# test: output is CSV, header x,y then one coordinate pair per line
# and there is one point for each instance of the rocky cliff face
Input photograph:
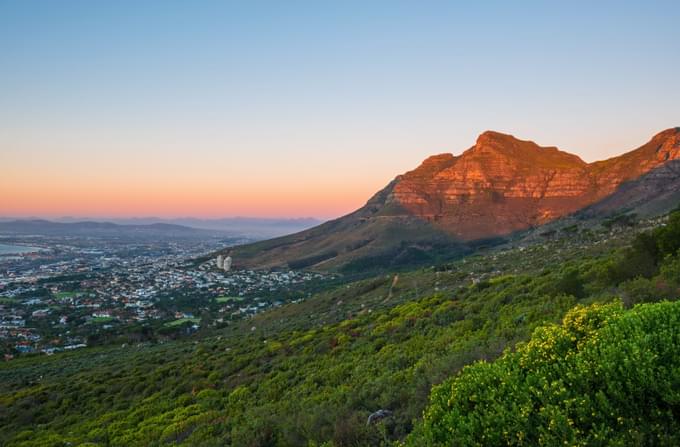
x,y
502,184
498,186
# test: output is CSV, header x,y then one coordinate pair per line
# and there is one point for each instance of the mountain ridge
x,y
499,186
503,184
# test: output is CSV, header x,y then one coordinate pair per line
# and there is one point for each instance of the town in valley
x,y
64,292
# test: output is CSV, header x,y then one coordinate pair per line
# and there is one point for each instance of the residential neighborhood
x,y
70,293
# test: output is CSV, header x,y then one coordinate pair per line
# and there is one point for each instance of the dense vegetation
x,y
311,373
605,377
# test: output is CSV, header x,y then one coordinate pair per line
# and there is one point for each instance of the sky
x,y
290,109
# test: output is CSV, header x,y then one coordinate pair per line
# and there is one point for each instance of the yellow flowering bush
x,y
604,377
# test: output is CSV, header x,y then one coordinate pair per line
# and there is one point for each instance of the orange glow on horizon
x,y
169,178
64,177
79,198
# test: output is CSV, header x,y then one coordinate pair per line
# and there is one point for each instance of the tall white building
x,y
220,262
226,263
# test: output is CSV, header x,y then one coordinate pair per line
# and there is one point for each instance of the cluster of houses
x,y
129,292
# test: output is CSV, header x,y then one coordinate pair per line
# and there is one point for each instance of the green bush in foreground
x,y
604,377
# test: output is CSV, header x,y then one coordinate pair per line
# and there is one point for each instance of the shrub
x,y
605,376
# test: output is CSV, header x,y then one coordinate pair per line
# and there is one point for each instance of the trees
x,y
668,237
647,251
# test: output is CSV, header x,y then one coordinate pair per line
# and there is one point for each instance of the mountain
x,y
651,194
253,228
499,186
103,229
503,184
381,232
248,227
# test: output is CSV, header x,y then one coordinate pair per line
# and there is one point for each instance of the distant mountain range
x,y
248,228
499,186
103,229
245,226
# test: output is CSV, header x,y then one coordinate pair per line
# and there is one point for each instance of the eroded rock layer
x,y
498,186
502,184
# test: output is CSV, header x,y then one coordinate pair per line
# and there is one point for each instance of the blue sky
x,y
307,108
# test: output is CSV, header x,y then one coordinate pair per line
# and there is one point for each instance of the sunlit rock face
x,y
502,184
498,186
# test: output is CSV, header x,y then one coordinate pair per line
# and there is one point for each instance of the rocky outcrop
x,y
653,193
503,184
499,186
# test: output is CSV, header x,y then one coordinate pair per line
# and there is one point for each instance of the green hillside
x,y
311,373
377,236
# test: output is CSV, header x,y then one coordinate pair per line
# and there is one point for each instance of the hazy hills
x,y
238,227
106,230
253,227
498,187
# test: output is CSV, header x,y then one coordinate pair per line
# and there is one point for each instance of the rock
x,y
498,186
503,184
378,416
